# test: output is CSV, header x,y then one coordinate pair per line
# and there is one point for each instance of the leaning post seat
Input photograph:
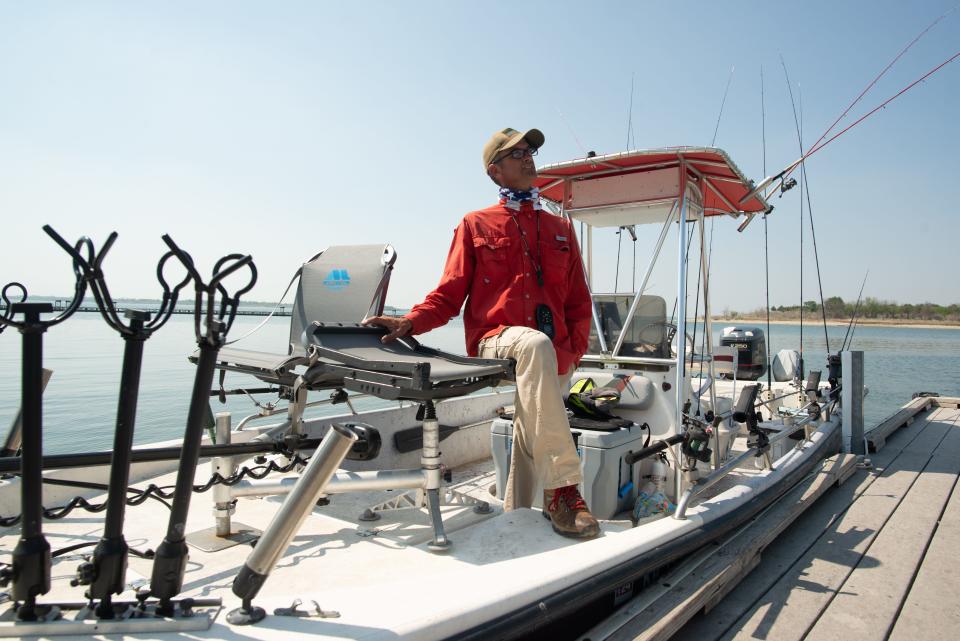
x,y
329,349
352,356
343,284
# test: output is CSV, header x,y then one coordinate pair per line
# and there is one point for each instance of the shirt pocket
x,y
556,262
493,259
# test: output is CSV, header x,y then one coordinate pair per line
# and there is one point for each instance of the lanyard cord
x,y
523,239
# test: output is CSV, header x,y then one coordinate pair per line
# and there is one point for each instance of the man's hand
x,y
397,326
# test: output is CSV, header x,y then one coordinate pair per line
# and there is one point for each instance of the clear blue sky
x,y
280,128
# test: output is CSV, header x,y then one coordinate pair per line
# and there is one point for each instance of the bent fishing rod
x,y
784,174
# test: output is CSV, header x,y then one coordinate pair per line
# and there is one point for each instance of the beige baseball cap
x,y
506,139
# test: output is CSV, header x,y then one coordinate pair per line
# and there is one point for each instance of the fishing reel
x,y
696,438
786,186
695,444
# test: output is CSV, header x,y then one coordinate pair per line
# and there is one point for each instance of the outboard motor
x,y
751,349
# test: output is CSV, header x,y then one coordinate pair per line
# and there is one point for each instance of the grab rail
x,y
705,483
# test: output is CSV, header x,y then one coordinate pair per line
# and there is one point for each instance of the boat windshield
x,y
647,335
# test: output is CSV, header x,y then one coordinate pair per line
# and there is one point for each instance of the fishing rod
x,y
783,174
709,254
881,74
856,310
766,239
803,177
805,182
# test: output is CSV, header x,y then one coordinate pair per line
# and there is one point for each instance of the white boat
x,y
402,540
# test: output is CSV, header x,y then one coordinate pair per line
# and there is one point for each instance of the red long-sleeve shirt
x,y
489,266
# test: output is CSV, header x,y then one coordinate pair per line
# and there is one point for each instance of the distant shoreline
x,y
840,322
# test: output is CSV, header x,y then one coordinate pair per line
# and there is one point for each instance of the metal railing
x,y
707,482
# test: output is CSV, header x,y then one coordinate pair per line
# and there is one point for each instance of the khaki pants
x,y
543,452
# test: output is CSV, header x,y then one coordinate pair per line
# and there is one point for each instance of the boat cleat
x,y
295,611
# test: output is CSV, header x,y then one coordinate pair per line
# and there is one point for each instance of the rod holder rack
x,y
30,570
214,312
105,573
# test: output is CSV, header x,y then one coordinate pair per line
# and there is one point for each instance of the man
x,y
519,270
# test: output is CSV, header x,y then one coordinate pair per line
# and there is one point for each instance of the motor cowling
x,y
751,346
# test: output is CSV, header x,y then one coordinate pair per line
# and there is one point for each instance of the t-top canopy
x,y
646,177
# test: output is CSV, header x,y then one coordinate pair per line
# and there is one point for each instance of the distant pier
x,y
284,310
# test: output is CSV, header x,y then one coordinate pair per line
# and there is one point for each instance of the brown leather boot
x,y
568,513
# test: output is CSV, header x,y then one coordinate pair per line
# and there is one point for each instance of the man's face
x,y
514,173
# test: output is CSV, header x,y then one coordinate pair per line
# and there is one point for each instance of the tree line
x,y
871,308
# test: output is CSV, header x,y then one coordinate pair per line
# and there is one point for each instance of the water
x,y
81,398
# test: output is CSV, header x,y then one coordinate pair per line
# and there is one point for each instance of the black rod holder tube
x,y
813,381
745,409
153,454
31,556
110,554
170,561
632,457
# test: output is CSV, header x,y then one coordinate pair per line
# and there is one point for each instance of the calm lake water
x,y
85,355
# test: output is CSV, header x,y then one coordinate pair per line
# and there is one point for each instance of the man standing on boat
x,y
519,270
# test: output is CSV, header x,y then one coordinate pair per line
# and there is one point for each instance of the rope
x,y
154,491
272,312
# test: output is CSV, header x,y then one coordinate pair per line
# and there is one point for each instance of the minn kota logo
x,y
337,279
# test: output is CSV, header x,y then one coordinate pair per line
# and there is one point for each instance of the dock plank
x,y
792,544
933,605
795,601
868,602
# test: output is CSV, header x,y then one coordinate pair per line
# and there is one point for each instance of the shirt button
x,y
527,274
529,317
526,295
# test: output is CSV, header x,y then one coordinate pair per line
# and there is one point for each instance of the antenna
x,y
630,114
572,133
722,103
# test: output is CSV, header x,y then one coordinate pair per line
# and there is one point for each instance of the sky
x,y
278,129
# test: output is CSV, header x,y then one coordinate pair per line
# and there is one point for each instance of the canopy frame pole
x,y
671,216
586,258
681,326
590,257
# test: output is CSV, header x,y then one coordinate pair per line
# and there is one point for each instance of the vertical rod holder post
x,y
31,556
111,553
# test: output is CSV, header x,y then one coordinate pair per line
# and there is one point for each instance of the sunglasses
x,y
518,154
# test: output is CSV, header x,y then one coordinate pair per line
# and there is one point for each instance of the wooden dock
x,y
870,559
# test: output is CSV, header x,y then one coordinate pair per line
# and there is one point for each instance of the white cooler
x,y
609,485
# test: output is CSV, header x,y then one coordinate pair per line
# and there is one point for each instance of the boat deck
x,y
870,560
345,564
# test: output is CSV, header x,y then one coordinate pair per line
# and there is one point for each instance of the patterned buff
x,y
512,198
